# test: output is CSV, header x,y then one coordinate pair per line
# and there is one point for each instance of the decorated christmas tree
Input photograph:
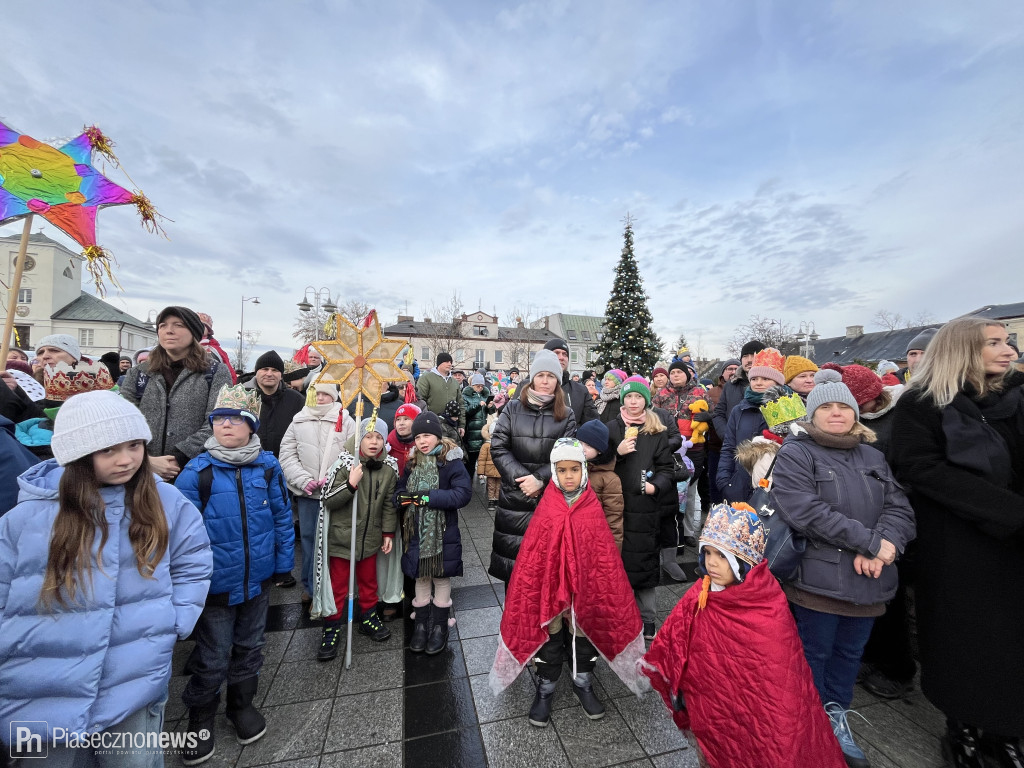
x,y
629,342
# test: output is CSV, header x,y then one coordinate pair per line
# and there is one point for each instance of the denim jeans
x,y
229,646
833,646
309,511
149,719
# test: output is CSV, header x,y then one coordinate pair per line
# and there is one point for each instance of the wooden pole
x,y
12,294
353,595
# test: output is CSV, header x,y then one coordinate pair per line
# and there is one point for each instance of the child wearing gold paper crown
x,y
728,661
240,490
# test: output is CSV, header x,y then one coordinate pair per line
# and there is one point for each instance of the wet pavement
x,y
397,708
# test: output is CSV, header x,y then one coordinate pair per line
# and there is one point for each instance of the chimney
x,y
853,331
404,319
519,322
426,320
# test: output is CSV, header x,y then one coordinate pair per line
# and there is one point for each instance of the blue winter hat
x,y
595,434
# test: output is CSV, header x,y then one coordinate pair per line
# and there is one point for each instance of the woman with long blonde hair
x,y
958,445
102,570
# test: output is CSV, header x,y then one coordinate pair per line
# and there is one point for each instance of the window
x,y
497,356
571,335
479,330
24,333
460,355
532,355
25,296
479,359
574,356
586,335
68,273
425,353
85,337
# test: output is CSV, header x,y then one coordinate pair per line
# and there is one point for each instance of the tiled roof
x,y
870,347
88,307
1000,311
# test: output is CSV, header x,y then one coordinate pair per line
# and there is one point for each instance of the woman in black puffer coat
x,y
521,443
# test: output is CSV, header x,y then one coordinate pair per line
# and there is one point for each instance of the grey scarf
x,y
244,454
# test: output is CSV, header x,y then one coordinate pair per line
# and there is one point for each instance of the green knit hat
x,y
637,384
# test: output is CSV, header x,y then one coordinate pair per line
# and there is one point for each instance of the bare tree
x,y
893,321
312,325
770,332
244,350
354,311
890,321
515,337
444,326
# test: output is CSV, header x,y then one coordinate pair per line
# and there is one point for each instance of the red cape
x,y
749,694
568,561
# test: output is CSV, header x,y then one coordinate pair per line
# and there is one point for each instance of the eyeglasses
x,y
220,419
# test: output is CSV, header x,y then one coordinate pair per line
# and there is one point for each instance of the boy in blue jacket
x,y
240,491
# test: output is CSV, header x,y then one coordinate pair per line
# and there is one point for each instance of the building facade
x,y
51,300
475,341
582,333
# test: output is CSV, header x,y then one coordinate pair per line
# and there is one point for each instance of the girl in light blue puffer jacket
x,y
103,567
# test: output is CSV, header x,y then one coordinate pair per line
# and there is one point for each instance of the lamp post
x,y
806,331
327,305
241,329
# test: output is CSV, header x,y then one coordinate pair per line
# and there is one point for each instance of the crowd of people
x,y
151,499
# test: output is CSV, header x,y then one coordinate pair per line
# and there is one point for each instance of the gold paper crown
x,y
770,358
238,398
63,381
784,410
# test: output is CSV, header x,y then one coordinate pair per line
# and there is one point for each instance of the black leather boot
x,y
1002,751
421,629
540,710
438,639
200,718
249,723
961,746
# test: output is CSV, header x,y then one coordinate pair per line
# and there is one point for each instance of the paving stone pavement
x,y
396,708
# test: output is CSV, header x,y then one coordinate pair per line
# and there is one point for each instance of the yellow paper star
x,y
360,360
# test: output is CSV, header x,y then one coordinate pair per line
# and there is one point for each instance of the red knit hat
x,y
409,410
862,382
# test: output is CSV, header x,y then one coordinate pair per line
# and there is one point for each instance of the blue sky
x,y
813,161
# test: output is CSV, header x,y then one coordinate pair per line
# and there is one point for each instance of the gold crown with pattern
x,y
770,358
238,398
736,529
63,381
783,410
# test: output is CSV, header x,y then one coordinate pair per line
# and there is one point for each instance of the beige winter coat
x,y
311,446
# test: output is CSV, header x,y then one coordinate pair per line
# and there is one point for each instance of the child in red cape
x,y
568,572
728,661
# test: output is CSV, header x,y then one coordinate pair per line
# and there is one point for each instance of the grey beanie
x,y
829,388
546,360
366,427
922,339
63,341
92,421
477,379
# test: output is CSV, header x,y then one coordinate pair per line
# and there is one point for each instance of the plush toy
x,y
699,428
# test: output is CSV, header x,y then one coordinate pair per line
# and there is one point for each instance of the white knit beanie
x,y
92,421
63,341
328,389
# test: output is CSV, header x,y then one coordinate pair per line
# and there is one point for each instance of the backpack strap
x,y
205,486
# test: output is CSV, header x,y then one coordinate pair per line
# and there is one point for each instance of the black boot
x,y
329,641
200,718
583,687
960,746
540,710
1002,751
438,639
421,628
249,723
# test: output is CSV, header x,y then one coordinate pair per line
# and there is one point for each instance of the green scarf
x,y
426,522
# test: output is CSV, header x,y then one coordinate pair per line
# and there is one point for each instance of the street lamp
x,y
806,331
327,305
241,327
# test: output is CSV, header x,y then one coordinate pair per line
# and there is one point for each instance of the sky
x,y
810,161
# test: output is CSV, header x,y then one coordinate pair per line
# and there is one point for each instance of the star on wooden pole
x,y
360,360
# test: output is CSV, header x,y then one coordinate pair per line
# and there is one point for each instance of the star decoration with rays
x,y
360,360
62,185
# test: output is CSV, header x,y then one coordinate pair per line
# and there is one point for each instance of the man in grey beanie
x,y
915,353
